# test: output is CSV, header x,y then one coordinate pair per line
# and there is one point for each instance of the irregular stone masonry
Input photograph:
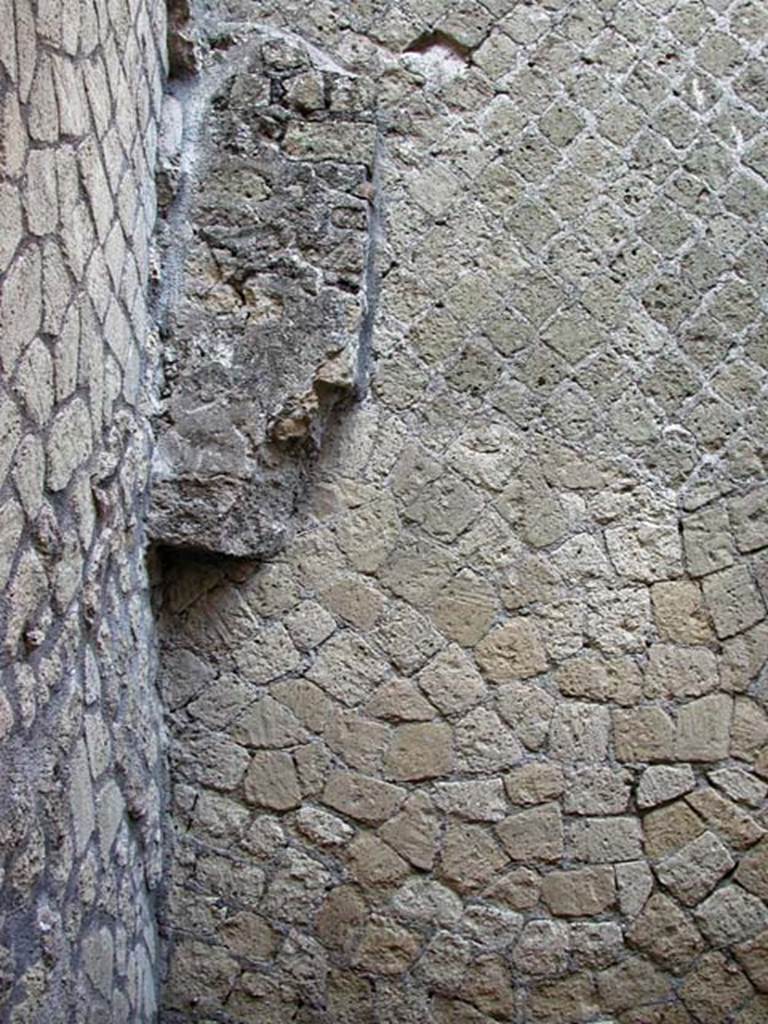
x,y
80,757
487,739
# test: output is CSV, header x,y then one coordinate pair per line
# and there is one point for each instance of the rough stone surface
x,y
452,335
81,738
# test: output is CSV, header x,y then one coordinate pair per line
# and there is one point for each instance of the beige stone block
x,y
740,785
535,783
266,723
670,827
14,139
579,892
201,976
596,790
643,734
647,551
400,701
573,998
309,625
81,804
41,200
662,783
34,382
349,143
591,677
732,822
355,601
664,933
579,732
372,862
596,944
635,883
510,652
414,831
341,918
323,828
99,960
743,657
110,814
444,964
693,870
68,83
367,535
427,903
10,432
358,740
714,989
347,668
271,781
733,601
533,835
362,797
517,889
465,608
451,681
248,935
749,518
703,729
542,949
43,119
618,621
480,800
607,840
69,443
632,983
484,744
731,915
749,731
708,542
679,672
679,612
419,751
527,709
471,857
387,948
307,702
407,638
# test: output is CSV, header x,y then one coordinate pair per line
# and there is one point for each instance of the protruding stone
x,y
533,835
663,932
271,781
691,872
362,797
513,651
580,892
663,783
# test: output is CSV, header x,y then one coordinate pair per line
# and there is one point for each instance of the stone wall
x,y
487,740
80,94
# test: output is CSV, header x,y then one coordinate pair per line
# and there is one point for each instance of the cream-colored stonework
x,y
468,300
487,740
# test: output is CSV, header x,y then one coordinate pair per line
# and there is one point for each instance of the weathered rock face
x,y
80,719
267,172
487,738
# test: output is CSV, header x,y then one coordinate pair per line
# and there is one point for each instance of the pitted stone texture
x,y
265,297
80,750
523,622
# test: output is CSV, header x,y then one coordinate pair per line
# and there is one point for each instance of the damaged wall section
x,y
267,184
